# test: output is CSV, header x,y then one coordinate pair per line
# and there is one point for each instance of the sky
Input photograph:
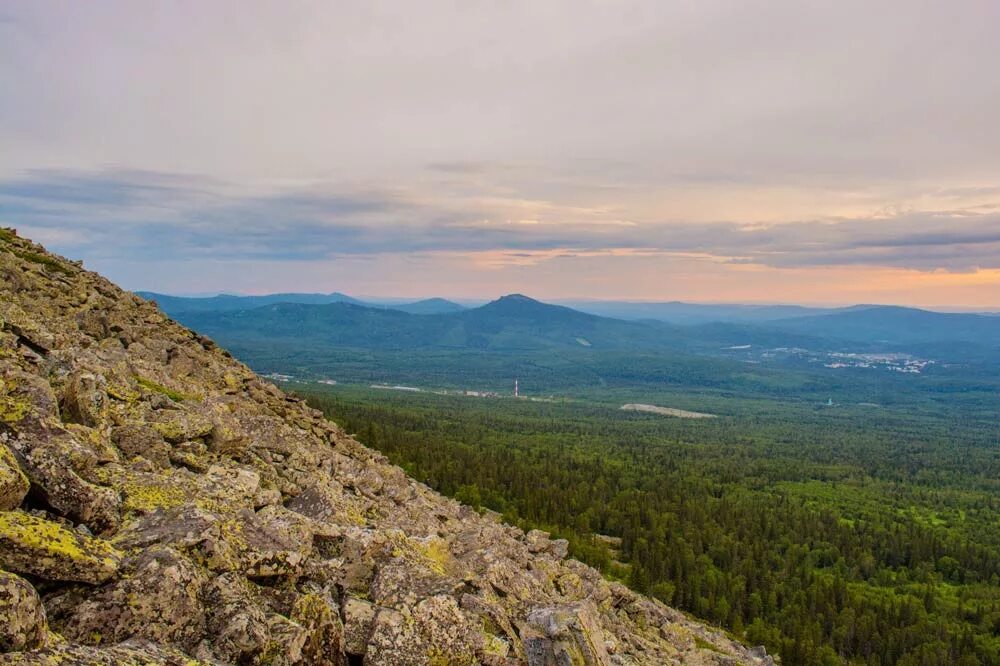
x,y
715,151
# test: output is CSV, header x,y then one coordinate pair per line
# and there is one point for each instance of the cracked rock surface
x,y
161,504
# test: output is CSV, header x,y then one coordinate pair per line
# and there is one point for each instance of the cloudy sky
x,y
780,151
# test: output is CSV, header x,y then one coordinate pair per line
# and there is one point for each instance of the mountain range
x,y
232,302
519,322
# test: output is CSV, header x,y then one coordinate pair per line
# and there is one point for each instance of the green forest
x,y
830,535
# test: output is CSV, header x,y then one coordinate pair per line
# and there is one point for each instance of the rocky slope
x,y
161,504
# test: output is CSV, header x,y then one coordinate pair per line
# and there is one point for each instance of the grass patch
x,y
702,644
44,260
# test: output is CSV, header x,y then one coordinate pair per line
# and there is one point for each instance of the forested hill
x,y
510,323
897,325
518,322
231,303
173,305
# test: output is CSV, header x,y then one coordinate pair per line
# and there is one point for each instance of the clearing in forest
x,y
667,411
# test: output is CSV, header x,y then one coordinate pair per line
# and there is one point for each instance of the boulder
x,y
288,640
359,618
139,439
54,461
273,542
158,597
435,631
235,619
129,653
46,549
13,482
175,425
568,634
22,616
84,399
539,542
324,644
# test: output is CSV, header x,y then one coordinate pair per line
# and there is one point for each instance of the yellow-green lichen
x,y
432,552
122,392
10,471
170,430
216,505
13,408
145,497
355,515
435,554
438,657
311,609
33,534
495,646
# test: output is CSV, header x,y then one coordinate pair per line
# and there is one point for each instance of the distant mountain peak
x,y
515,298
520,303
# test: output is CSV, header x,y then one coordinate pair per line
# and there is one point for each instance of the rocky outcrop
x,y
161,504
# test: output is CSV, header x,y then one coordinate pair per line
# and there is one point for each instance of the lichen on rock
x,y
49,550
23,624
13,482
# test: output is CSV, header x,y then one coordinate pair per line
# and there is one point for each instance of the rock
x,y
538,542
184,527
54,460
434,631
129,653
565,635
97,440
236,621
45,549
288,639
25,396
139,439
22,617
94,323
359,618
403,581
235,618
13,482
177,426
324,645
270,543
157,598
227,434
84,399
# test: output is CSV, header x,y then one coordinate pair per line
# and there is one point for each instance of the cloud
x,y
156,216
